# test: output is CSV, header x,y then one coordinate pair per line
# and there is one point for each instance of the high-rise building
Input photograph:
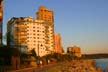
x,y
47,15
36,36
57,44
74,50
1,18
26,33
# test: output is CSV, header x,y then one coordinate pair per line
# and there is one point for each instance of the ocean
x,y
103,63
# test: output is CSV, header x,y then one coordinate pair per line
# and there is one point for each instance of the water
x,y
103,63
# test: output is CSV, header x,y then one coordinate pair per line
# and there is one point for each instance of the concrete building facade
x,y
36,36
26,33
57,44
47,15
74,50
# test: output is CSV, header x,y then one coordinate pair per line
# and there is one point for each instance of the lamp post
x,y
38,60
38,50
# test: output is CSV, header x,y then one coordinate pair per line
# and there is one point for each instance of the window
x,y
37,34
37,37
34,41
34,34
34,37
27,33
37,30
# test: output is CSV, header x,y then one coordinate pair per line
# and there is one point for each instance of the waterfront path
x,y
85,65
38,69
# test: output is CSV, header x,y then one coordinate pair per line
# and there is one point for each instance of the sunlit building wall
x,y
47,15
74,50
36,37
26,34
1,18
57,44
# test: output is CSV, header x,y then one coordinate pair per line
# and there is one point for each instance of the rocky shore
x,y
84,65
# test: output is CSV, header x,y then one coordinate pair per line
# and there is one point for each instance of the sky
x,y
80,22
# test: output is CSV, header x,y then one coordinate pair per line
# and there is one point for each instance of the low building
x,y
74,50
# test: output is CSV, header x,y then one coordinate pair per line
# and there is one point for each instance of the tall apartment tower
x,y
47,15
36,36
26,33
57,44
1,18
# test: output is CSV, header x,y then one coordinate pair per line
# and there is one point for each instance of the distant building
x,y
75,50
57,44
47,15
1,18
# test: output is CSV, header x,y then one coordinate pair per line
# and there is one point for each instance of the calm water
x,y
103,63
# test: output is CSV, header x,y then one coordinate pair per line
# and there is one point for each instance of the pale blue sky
x,y
80,22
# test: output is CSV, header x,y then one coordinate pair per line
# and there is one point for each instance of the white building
x,y
27,33
31,33
36,36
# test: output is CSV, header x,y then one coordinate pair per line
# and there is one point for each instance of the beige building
x,y
57,44
75,50
36,36
27,33
47,15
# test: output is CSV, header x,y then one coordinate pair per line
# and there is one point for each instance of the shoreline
x,y
81,65
103,63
